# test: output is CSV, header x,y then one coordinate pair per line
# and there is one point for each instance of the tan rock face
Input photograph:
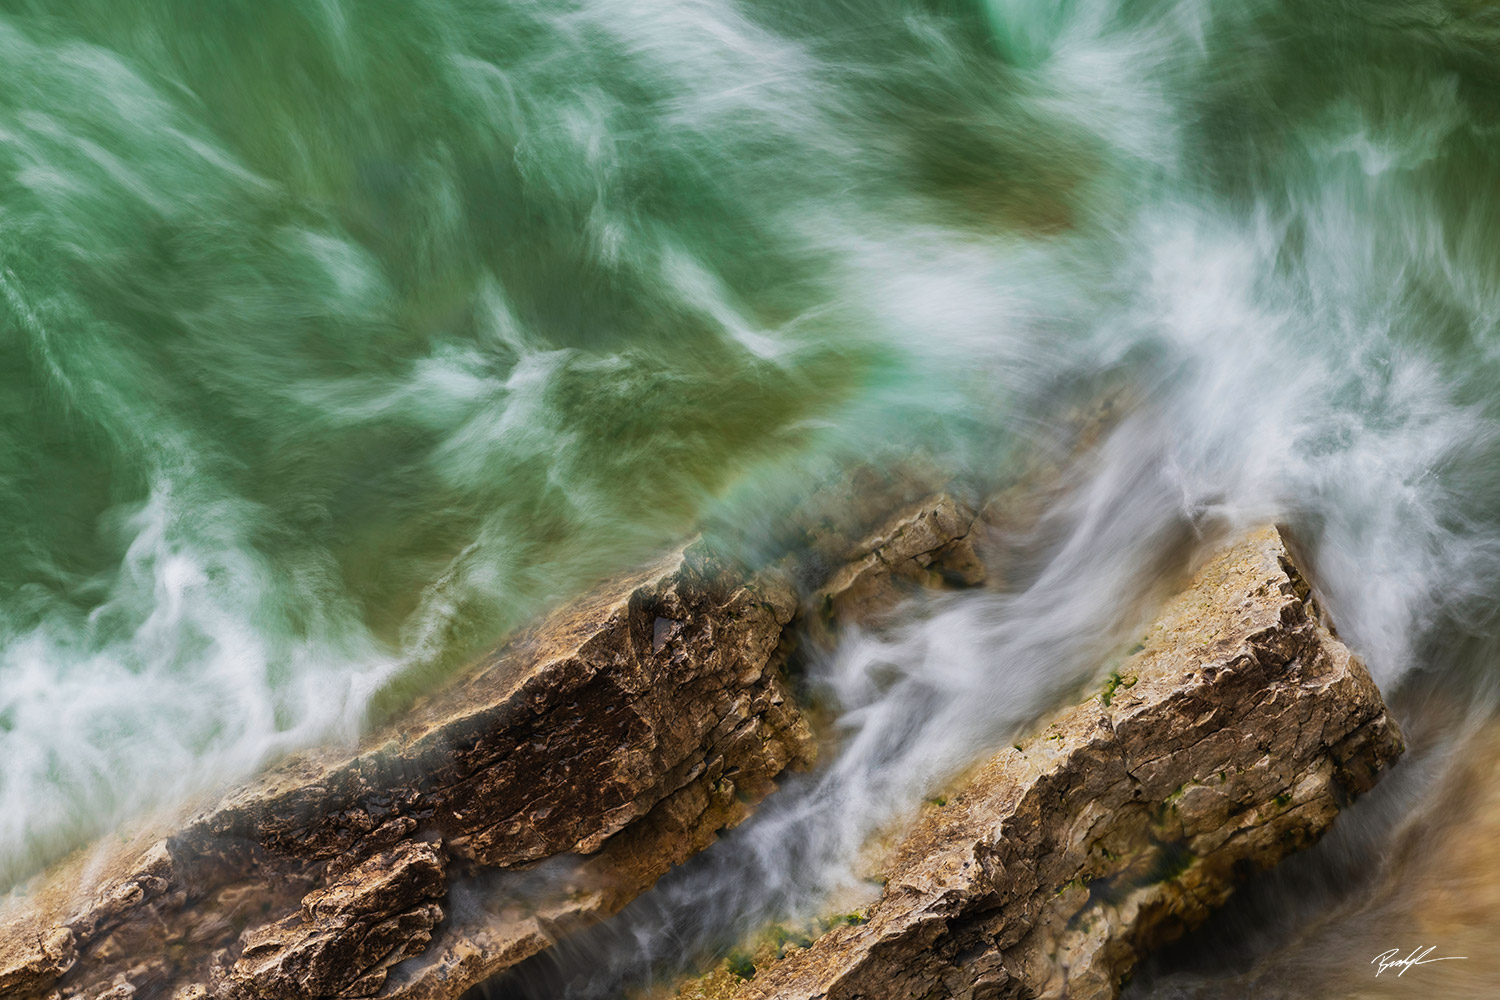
x,y
611,741
1431,882
349,932
928,544
1231,737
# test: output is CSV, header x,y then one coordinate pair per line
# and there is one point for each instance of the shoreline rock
x,y
613,740
928,544
1229,738
581,760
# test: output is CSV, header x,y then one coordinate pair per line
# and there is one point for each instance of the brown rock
x,y
348,932
606,744
1231,737
1429,887
31,959
928,544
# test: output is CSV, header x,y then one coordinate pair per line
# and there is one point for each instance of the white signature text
x,y
1391,960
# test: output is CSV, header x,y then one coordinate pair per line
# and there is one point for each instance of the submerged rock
x,y
1229,738
556,782
929,544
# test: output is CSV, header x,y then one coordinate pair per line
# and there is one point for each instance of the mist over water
x,y
337,338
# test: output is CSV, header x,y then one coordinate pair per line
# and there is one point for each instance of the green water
x,y
337,338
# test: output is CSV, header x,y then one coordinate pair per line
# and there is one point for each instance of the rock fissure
x,y
601,747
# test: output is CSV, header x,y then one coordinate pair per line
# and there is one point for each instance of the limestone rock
x,y
1231,737
555,782
927,544
348,932
1426,882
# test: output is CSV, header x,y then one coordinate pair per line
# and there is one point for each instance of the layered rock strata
x,y
614,739
928,544
558,780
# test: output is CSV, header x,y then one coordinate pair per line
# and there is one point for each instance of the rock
x,y
348,933
1229,738
927,544
551,785
31,960
1425,877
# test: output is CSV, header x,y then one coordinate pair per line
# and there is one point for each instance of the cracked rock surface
x,y
1229,738
555,782
927,544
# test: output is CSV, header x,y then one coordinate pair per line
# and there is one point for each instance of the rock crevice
x,y
615,738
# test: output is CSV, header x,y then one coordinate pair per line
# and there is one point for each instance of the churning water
x,y
337,337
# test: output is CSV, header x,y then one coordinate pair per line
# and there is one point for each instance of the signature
x,y
1418,956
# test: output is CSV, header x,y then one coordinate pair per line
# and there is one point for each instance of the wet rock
x,y
1230,738
928,544
555,782
348,933
1427,888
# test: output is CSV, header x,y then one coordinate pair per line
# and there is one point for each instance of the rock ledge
x,y
562,777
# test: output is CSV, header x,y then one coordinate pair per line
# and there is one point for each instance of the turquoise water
x,y
336,338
